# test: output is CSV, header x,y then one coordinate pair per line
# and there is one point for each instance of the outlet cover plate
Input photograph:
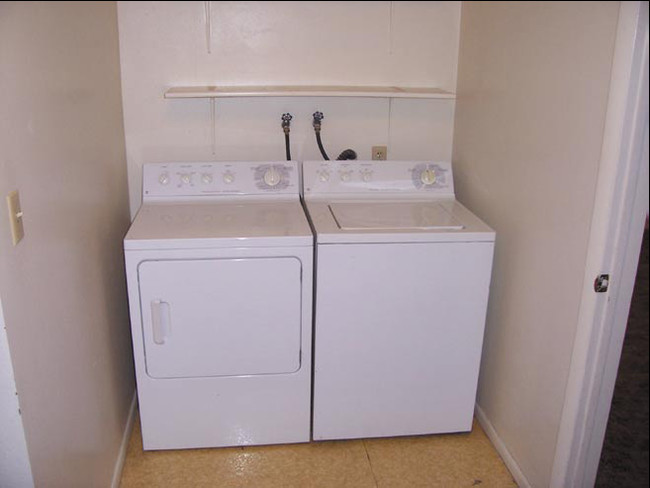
x,y
379,153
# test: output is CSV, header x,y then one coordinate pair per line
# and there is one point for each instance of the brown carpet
x,y
624,460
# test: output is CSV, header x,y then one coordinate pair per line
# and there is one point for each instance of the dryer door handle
x,y
160,321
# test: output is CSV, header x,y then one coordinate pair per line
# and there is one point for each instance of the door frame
x,y
614,244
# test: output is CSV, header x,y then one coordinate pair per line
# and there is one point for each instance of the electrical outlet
x,y
379,153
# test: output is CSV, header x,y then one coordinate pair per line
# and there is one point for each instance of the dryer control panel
x,y
404,178
221,178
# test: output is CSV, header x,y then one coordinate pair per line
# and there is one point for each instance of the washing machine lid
x,y
394,216
192,225
367,221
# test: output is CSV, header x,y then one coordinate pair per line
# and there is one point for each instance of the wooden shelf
x,y
306,91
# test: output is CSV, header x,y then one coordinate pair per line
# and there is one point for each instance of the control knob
x,y
272,177
345,175
163,179
428,176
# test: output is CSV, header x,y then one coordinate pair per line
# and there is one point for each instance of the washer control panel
x,y
160,180
363,177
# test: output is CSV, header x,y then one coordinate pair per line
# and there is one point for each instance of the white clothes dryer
x,y
402,279
219,267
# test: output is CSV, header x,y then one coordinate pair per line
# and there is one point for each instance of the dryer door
x,y
221,317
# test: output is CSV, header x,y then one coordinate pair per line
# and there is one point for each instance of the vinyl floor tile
x,y
452,460
458,460
313,465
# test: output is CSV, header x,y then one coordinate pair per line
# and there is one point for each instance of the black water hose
x,y
320,146
287,145
318,117
347,154
286,127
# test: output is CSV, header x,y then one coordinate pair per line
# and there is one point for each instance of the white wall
x,y
533,82
163,44
62,287
15,470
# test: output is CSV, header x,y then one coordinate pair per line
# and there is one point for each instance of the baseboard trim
x,y
501,448
126,437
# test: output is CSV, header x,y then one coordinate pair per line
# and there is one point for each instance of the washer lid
x,y
395,221
397,215
194,225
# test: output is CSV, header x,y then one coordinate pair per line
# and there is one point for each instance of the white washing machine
x,y
219,266
402,279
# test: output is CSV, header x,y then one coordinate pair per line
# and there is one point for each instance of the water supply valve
x,y
286,122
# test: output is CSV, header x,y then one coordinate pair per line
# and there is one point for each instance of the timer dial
x,y
272,177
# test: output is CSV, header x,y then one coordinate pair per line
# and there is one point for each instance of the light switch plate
x,y
15,217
